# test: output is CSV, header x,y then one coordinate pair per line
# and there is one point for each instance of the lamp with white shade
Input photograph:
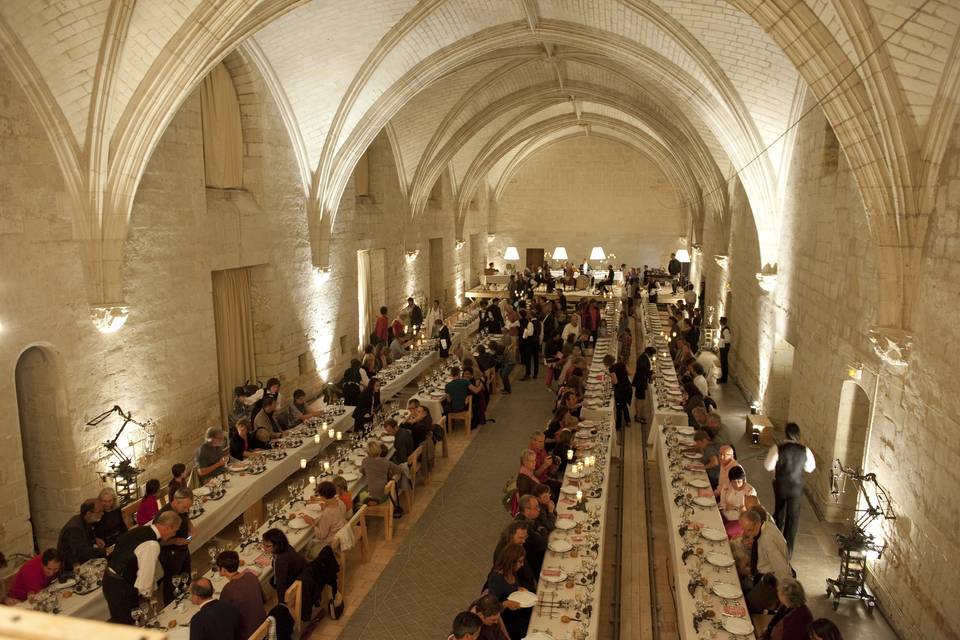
x,y
683,255
511,254
597,254
560,253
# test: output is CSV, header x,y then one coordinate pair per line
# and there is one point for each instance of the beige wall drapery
x,y
233,320
222,131
364,296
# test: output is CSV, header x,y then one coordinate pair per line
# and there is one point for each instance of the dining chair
x,y
413,463
385,510
466,416
262,632
293,598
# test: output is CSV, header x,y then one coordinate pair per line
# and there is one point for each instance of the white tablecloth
x,y
672,472
395,386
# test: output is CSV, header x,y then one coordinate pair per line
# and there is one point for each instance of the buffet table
x,y
706,591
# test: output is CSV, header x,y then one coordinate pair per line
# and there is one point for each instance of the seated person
x,y
418,421
211,457
527,480
111,524
488,609
733,500
402,441
244,444
298,411
378,470
485,361
536,544
179,479
562,446
728,461
34,576
243,591
547,520
768,560
288,563
77,542
332,516
458,390
517,532
709,456
397,350
150,504
343,492
265,423
792,619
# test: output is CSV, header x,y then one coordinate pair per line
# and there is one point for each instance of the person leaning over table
x,y
211,457
489,608
77,542
709,456
299,412
111,524
768,560
34,576
466,626
793,617
402,441
506,577
175,552
368,405
378,470
131,569
288,563
332,517
215,619
244,444
265,424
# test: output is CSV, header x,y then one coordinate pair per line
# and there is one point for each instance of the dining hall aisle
x,y
442,563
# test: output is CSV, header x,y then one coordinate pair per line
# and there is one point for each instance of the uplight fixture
x,y
412,254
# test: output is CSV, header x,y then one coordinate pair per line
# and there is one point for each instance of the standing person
x,y
673,268
131,569
530,346
690,297
433,314
214,619
621,389
789,460
175,550
444,342
382,327
507,362
416,316
724,344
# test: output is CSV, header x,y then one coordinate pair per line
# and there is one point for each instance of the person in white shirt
x,y
572,327
768,565
690,297
711,364
789,461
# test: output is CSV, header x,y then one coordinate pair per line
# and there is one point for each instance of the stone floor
x,y
815,555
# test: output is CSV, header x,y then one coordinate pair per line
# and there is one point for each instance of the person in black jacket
x,y
77,542
367,405
416,316
444,341
288,564
642,374
215,620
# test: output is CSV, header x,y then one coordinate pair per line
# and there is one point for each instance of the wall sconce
x,y
611,256
412,255
321,274
723,261
855,372
109,318
755,407
491,237
460,244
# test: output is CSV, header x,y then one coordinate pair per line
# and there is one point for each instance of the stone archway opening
x,y
853,424
777,401
41,406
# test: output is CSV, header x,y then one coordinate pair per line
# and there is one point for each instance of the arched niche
x,y
853,424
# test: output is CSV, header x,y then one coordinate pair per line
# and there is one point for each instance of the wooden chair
x,y
262,631
443,444
413,462
359,526
129,512
466,416
385,510
293,598
490,377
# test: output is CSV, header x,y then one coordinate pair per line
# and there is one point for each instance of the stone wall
x,y
162,363
588,191
824,305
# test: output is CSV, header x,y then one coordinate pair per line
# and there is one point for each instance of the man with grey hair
x,y
175,552
212,456
793,617
216,620
536,544
111,525
768,560
130,573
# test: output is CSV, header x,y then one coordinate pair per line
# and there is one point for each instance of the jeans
x,y
505,376
786,513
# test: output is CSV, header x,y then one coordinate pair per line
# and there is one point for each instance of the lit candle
x,y
316,438
579,495
331,433
303,463
339,435
569,454
326,466
313,479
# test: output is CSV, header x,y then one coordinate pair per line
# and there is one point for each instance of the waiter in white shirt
x,y
789,461
724,343
131,570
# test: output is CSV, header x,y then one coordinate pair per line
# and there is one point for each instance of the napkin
x,y
566,516
550,572
706,493
568,501
737,610
263,561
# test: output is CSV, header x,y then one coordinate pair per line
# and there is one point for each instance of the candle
x,y
339,435
313,479
579,495
326,466
569,454
316,438
303,463
331,433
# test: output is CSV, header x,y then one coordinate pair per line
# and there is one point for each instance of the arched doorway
x,y
777,401
853,422
42,408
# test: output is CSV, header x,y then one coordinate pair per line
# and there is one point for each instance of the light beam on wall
x,y
109,319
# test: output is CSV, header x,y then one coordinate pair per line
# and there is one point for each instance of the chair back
x,y
390,489
293,598
413,461
262,632
129,511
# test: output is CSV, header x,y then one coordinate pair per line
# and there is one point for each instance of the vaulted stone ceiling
x,y
473,87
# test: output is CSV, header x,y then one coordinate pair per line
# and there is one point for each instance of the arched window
x,y
222,132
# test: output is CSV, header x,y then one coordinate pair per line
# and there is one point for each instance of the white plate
x,y
201,491
570,473
388,439
350,476
719,559
686,431
731,514
557,578
703,501
717,535
298,523
726,590
560,546
569,489
239,466
566,524
691,455
539,635
60,586
699,483
525,599
737,626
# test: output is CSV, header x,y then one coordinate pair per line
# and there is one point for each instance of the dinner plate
x,y
388,439
559,545
731,514
699,483
525,599
717,535
719,559
298,523
726,590
687,431
539,635
737,626
566,523
560,577
691,455
66,584
704,501
239,466
201,491
570,489
350,476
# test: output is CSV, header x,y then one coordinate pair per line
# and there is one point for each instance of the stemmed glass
x,y
213,552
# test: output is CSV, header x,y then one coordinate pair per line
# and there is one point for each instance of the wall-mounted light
x,y
109,318
855,372
697,249
491,237
683,255
321,274
460,244
722,260
412,254
511,254
611,256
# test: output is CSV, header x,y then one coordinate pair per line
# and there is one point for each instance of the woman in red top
x,y
383,323
34,576
150,505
